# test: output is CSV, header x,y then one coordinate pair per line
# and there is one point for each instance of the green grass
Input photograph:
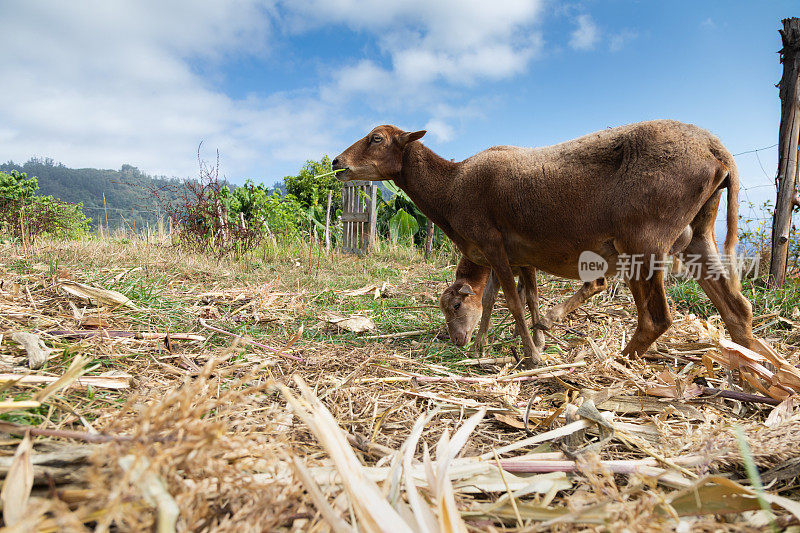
x,y
688,296
166,285
21,266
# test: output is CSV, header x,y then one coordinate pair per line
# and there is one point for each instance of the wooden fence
x,y
359,216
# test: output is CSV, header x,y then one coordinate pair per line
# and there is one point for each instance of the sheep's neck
x,y
476,275
426,178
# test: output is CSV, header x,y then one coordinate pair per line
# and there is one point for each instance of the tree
x,y
311,188
16,186
23,214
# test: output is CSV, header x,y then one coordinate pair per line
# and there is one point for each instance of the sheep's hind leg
x,y
653,310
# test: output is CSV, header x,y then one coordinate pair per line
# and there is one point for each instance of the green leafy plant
x,y
401,221
261,209
402,227
311,185
25,215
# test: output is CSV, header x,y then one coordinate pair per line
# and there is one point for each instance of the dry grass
x,y
204,437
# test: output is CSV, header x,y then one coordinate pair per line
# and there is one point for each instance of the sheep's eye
x,y
456,305
376,139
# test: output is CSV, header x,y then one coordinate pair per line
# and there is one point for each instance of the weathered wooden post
x,y
789,91
428,239
328,222
372,230
359,216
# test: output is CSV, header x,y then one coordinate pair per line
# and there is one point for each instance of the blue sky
x,y
271,83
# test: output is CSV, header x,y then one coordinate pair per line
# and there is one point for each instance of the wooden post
x,y
359,217
428,238
221,221
345,244
789,91
372,233
328,222
105,209
22,233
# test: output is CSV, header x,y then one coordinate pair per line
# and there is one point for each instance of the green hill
x,y
131,196
128,192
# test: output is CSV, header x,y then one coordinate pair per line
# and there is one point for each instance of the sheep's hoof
x,y
531,357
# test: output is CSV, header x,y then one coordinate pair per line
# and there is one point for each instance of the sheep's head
x,y
378,156
462,310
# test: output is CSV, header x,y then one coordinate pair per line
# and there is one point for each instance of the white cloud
x,y
427,52
617,41
586,35
440,129
708,23
100,83
455,41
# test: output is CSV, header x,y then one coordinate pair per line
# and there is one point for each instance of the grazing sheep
x,y
472,296
463,308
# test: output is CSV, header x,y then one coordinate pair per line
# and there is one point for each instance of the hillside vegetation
x,y
127,190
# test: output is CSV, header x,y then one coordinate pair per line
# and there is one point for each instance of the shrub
x,y
23,215
312,183
206,215
263,210
755,239
213,217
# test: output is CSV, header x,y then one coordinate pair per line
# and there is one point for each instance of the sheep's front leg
x,y
502,269
488,299
557,313
527,281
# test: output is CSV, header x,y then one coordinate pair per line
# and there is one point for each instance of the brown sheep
x,y
472,295
641,190
463,308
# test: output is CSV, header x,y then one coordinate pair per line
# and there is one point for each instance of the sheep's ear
x,y
409,136
466,289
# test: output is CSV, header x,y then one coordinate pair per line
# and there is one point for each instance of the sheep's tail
x,y
732,216
732,237
731,182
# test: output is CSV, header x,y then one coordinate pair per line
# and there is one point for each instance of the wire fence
x,y
755,228
757,213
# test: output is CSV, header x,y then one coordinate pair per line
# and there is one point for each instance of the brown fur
x,y
462,310
472,296
627,190
462,313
